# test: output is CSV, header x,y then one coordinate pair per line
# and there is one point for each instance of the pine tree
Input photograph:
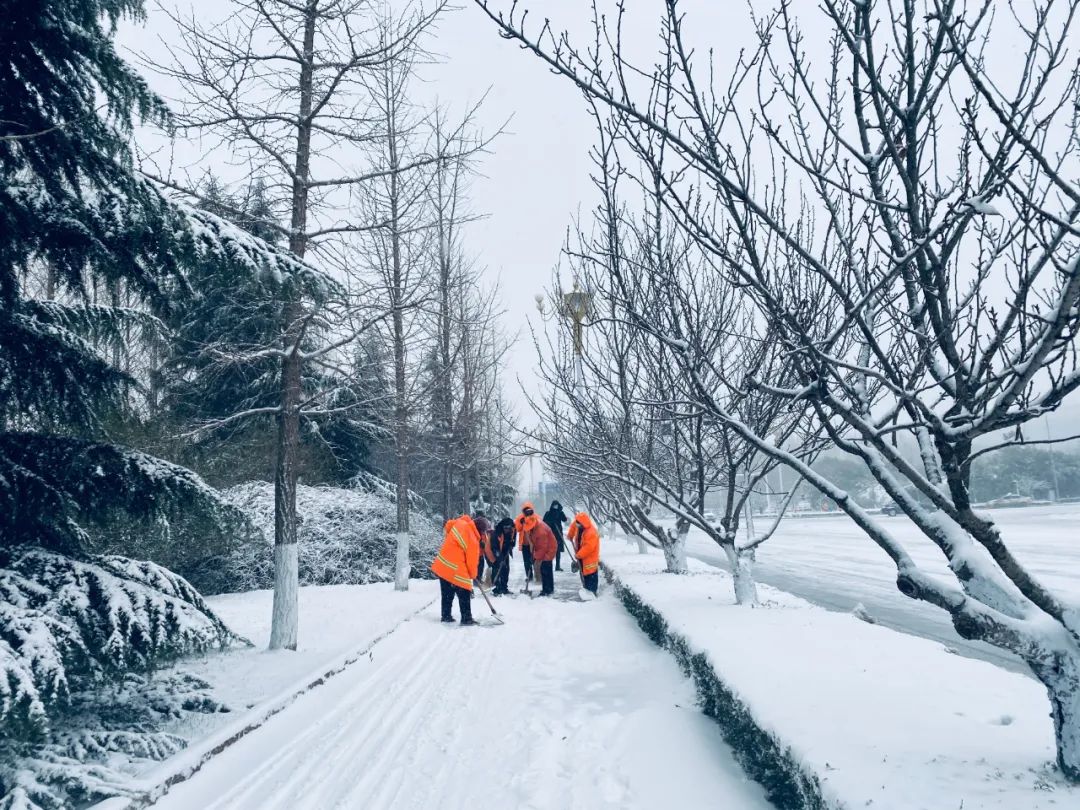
x,y
73,206
209,371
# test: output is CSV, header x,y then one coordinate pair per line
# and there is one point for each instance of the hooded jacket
x,y
525,523
502,538
555,517
586,539
459,557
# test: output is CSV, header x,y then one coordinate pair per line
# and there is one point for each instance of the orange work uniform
x,y
459,558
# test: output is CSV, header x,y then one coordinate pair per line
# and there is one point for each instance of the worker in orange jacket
x,y
525,521
586,539
544,544
456,566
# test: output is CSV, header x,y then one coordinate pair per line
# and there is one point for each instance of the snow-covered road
x,y
566,706
830,562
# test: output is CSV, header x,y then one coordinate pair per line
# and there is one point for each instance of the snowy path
x,y
567,706
830,562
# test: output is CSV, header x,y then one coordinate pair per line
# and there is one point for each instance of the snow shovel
x,y
494,613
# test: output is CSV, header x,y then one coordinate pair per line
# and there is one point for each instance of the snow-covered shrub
x,y
78,641
347,536
771,764
192,545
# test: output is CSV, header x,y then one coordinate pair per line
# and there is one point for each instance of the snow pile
x,y
346,536
830,711
78,639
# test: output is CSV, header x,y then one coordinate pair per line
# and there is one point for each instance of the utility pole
x,y
1053,464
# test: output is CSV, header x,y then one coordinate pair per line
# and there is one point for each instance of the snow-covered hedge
x,y
765,758
347,536
830,712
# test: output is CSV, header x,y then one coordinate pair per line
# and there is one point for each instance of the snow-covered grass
x,y
854,714
346,536
337,624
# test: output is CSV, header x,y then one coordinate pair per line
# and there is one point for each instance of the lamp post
x,y
576,306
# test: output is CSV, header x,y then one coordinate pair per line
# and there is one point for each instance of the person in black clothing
x,y
502,547
554,517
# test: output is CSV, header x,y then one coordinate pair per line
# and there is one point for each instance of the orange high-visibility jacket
x,y
588,544
543,542
459,558
524,523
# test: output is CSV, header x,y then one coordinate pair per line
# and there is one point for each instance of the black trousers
x,y
592,581
464,597
526,557
502,576
547,577
480,568
558,557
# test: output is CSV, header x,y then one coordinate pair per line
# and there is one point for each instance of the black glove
x,y
574,566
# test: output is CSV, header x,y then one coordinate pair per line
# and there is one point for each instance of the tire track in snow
x,y
328,748
271,771
436,735
392,727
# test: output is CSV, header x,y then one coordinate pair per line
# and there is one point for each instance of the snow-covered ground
x,y
881,719
567,705
830,562
335,620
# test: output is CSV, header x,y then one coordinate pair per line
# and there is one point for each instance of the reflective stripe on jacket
x,y
587,546
459,557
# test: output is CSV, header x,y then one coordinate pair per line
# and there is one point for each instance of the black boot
x,y
447,618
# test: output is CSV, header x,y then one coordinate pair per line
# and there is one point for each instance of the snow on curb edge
x,y
189,762
765,758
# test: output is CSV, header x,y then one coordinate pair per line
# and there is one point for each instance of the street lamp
x,y
576,306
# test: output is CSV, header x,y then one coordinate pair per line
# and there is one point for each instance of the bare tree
x,y
902,217
625,413
281,85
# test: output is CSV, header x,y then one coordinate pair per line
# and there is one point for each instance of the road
x,y
568,706
830,562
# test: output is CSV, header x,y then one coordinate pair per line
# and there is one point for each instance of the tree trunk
x,y
742,573
285,620
401,449
402,566
675,552
1059,672
286,612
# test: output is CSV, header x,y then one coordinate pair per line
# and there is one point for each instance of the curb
x,y
762,755
152,786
